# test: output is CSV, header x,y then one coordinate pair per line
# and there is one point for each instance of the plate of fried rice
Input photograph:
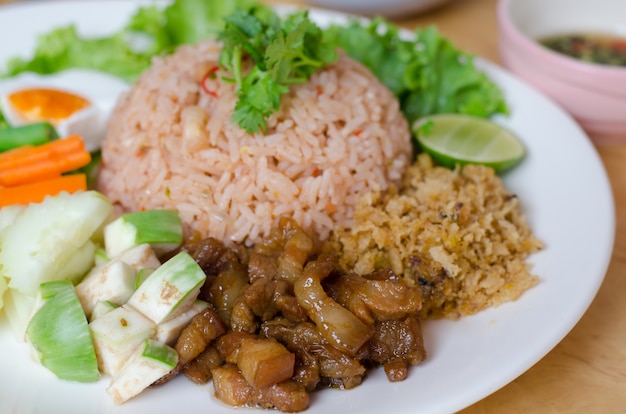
x,y
514,261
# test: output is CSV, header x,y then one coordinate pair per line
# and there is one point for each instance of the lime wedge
x,y
463,139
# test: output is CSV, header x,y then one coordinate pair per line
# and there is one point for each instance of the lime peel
x,y
455,139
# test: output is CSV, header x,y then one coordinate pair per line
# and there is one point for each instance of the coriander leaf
x,y
285,55
258,98
278,52
243,32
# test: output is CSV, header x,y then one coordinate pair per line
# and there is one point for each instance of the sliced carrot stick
x,y
9,156
32,154
44,169
36,192
41,163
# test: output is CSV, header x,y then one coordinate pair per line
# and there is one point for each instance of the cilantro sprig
x,y
283,52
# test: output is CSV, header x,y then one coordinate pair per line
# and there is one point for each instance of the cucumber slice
x,y
162,229
18,309
102,308
45,236
3,287
60,335
100,257
149,362
142,275
115,282
140,257
80,263
174,285
117,334
169,331
8,214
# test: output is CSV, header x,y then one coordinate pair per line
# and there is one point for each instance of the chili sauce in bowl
x,y
603,49
574,51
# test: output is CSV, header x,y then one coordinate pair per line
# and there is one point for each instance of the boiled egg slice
x,y
76,101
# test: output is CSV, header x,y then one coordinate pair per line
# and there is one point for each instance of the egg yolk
x,y
43,104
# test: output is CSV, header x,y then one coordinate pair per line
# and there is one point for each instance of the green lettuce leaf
x,y
190,21
151,31
64,48
428,74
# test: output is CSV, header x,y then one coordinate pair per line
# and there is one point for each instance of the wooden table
x,y
586,372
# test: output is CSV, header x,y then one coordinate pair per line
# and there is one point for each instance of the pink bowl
x,y
595,95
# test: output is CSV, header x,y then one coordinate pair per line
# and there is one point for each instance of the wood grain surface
x,y
586,372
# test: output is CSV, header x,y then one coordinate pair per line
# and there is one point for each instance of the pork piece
x,y
225,290
242,319
231,388
195,337
317,362
229,344
306,371
264,362
340,327
397,344
226,275
274,264
282,254
199,369
385,300
375,299
262,300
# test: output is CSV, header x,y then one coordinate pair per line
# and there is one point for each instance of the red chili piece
x,y
209,75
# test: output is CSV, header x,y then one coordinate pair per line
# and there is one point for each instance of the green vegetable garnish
x,y
60,335
454,139
190,21
284,52
63,48
151,31
3,121
32,134
427,73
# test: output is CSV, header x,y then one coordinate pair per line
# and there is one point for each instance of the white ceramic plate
x,y
564,192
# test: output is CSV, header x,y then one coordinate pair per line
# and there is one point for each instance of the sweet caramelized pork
x,y
199,369
232,388
340,327
193,340
226,273
288,321
396,345
318,363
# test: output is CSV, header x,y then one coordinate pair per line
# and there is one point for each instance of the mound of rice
x,y
459,235
171,144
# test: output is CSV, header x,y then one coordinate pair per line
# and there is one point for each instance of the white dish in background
x,y
564,192
387,8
